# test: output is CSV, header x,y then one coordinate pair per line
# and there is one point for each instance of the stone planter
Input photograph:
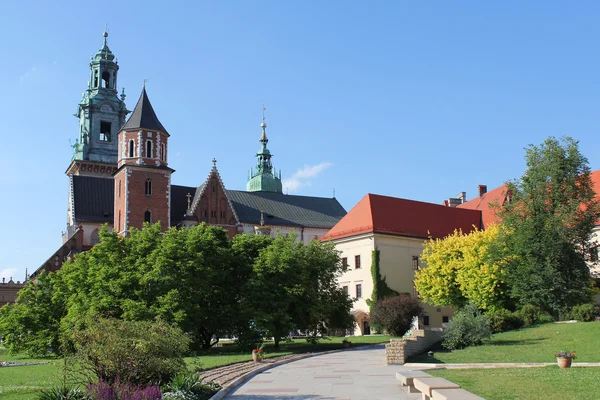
x,y
564,362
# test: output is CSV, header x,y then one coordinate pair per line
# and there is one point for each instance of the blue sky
x,y
419,100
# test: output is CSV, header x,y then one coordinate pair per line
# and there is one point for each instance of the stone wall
x,y
419,341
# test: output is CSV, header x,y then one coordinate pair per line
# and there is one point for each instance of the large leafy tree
x,y
550,214
463,268
31,325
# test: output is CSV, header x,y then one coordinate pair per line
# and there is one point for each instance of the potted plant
x,y
564,358
257,354
346,343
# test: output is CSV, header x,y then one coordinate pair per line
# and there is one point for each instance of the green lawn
x,y
537,344
24,383
547,383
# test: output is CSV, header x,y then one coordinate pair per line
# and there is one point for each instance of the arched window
x,y
148,216
149,149
131,149
96,78
95,237
148,187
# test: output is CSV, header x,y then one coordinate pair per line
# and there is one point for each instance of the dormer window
x,y
105,131
131,151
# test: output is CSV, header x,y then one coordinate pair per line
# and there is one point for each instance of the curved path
x,y
357,374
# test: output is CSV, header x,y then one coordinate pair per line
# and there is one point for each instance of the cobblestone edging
x,y
18,364
232,376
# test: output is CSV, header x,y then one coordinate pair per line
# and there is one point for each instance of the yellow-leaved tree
x,y
465,268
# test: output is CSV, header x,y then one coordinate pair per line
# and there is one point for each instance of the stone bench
x,y
453,394
406,379
427,385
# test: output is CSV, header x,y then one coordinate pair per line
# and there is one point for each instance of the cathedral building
x,y
120,176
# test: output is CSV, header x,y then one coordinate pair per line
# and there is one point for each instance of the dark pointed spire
x,y
143,116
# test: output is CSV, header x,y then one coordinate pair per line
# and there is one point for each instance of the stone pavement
x,y
355,374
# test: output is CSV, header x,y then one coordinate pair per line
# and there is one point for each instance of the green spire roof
x,y
264,179
104,53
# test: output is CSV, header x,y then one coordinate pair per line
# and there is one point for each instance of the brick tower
x,y
143,178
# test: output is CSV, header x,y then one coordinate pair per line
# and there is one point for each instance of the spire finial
x,y
105,34
189,196
263,124
214,161
145,81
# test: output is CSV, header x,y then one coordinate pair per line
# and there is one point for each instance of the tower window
x,y
96,78
148,187
163,150
105,131
148,216
119,189
149,149
106,79
131,149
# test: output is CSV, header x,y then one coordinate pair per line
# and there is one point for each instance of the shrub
x,y
502,320
545,319
468,328
584,312
121,391
396,313
530,314
132,352
62,393
187,385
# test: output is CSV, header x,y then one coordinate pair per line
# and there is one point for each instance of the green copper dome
x,y
264,179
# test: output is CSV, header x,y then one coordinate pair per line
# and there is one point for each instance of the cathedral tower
x,y
265,178
143,178
101,112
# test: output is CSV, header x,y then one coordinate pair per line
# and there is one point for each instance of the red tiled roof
x,y
383,214
498,196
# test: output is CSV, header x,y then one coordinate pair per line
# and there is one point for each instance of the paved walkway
x,y
358,374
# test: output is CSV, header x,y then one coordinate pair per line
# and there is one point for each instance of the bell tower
x,y
101,111
143,177
265,178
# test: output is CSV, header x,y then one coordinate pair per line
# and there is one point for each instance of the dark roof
x,y
93,199
395,216
286,210
179,202
94,202
143,116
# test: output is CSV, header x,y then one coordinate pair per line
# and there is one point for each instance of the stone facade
x,y
9,291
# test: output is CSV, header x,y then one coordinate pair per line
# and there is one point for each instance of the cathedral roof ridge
x,y
143,116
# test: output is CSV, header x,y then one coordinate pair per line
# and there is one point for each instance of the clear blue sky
x,y
419,100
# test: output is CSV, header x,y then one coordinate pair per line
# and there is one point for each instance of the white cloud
x,y
27,74
301,178
8,273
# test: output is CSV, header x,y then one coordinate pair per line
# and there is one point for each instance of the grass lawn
x,y
547,383
24,383
537,344
220,356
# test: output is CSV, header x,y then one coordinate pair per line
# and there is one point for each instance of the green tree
x,y
31,325
463,268
550,215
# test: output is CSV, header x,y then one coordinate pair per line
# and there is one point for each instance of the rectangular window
x,y
105,131
359,291
426,320
415,262
345,262
357,262
415,292
345,289
222,214
445,319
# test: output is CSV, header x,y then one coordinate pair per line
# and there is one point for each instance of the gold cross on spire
x,y
189,196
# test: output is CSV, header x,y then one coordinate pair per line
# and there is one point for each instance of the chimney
x,y
482,190
462,196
